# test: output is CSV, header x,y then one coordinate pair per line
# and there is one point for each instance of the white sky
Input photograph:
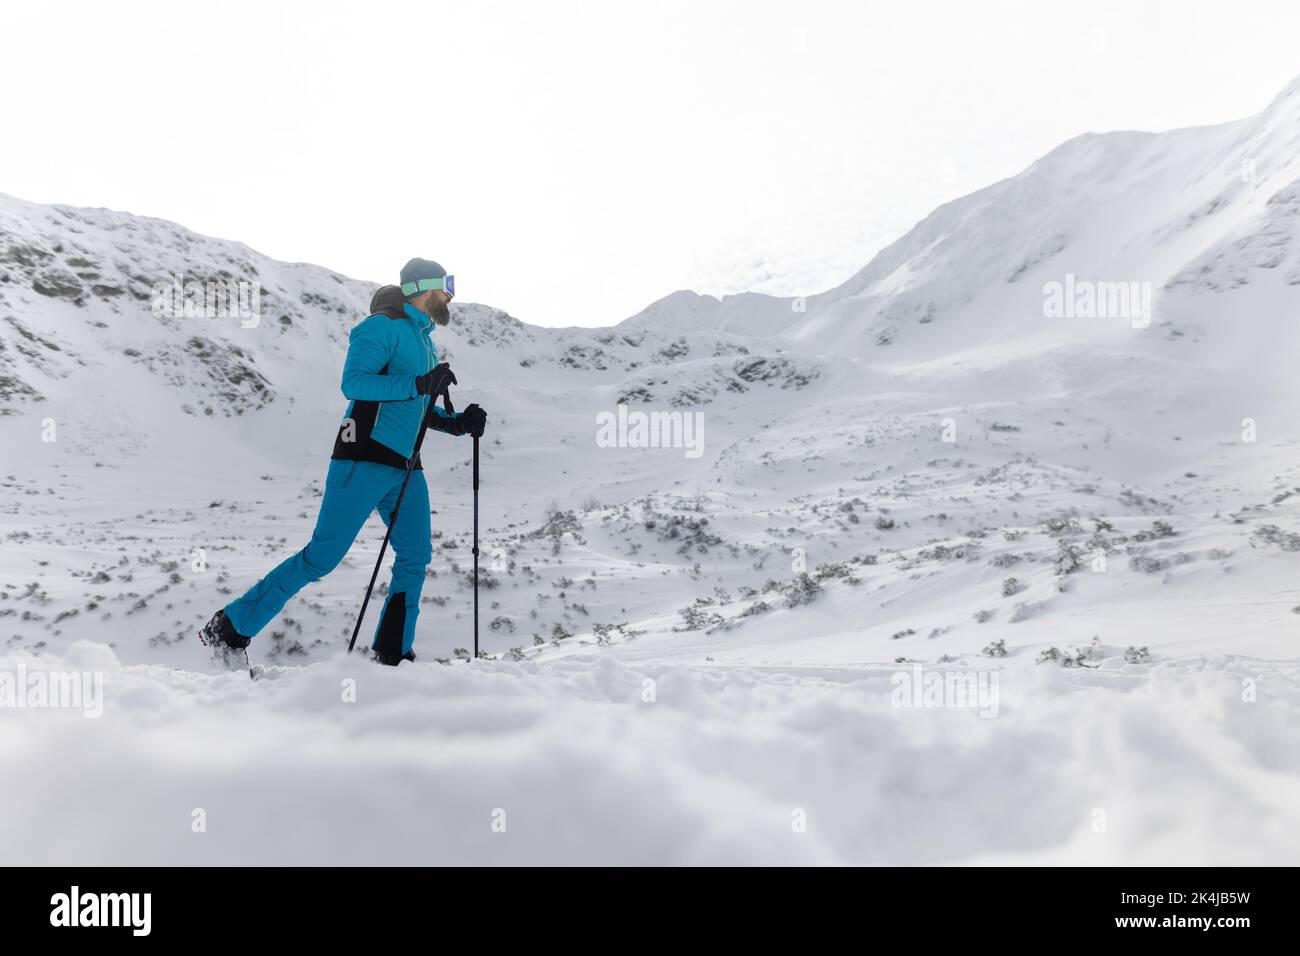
x,y
572,162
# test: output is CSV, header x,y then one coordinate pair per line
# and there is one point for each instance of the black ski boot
x,y
229,649
392,660
389,636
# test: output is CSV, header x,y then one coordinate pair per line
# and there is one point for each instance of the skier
x,y
391,374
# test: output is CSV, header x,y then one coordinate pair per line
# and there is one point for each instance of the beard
x,y
440,313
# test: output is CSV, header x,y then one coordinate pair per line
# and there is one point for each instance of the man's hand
x,y
435,381
473,420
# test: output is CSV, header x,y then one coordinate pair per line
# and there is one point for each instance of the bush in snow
x,y
1079,657
827,572
1272,534
1069,558
1137,655
1012,586
1159,529
606,632
556,525
1026,610
1150,565
689,531
997,649
697,617
1061,524
485,580
949,552
802,590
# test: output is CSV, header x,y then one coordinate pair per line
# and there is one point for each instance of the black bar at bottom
x,y
207,906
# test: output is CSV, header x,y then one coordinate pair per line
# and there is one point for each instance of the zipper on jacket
x,y
429,354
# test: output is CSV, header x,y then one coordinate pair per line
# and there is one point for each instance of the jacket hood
x,y
387,299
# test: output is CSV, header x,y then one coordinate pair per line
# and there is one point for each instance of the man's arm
x,y
471,421
370,348
441,421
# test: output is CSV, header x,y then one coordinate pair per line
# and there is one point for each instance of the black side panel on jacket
x,y
363,447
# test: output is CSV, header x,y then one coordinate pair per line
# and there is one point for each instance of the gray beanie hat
x,y
418,269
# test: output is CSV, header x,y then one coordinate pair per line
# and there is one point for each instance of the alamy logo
x,y
103,909
208,299
626,429
37,690
1085,299
923,688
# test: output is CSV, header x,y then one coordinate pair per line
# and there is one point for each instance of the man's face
x,y
434,304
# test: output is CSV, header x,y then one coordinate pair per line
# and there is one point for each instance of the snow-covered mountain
x,y
1049,433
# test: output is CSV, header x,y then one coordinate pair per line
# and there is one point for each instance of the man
x,y
391,374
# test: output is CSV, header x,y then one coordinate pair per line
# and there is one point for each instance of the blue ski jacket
x,y
386,353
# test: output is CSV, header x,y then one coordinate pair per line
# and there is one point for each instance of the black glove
x,y
435,381
473,420
468,422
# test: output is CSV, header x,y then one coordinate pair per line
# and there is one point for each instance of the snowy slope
x,y
1193,211
920,466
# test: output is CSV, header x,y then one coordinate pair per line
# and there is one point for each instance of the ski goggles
x,y
445,284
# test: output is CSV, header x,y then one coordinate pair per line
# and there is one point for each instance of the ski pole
x,y
475,547
401,492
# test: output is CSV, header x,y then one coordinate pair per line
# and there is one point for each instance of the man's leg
x,y
412,552
352,489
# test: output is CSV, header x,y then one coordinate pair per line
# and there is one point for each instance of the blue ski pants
x,y
353,489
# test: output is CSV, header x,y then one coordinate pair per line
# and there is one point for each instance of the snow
x,y
713,769
916,468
